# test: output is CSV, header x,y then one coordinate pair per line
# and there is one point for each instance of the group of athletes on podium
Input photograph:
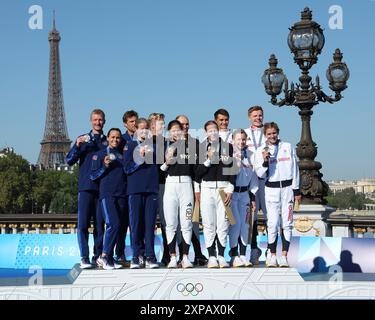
x,y
127,180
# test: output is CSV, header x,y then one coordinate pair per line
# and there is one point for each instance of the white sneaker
x,y
283,262
236,262
222,262
172,263
134,264
151,264
186,263
272,261
212,262
141,262
85,263
105,263
255,255
245,262
117,265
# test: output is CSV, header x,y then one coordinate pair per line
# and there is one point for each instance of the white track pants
x,y
178,208
214,219
241,212
260,200
279,202
195,231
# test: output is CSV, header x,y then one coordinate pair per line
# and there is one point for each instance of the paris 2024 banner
x,y
307,254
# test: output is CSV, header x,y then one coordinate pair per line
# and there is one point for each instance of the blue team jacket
x,y
112,179
84,154
142,177
126,137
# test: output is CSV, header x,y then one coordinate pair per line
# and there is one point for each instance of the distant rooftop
x,y
5,151
353,182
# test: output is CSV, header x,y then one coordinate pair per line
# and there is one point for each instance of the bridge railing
x,y
342,223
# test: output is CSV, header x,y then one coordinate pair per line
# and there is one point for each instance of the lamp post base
x,y
313,188
310,220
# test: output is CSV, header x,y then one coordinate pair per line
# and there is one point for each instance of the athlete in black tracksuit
x,y
215,174
178,199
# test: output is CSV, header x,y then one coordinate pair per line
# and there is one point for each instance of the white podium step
x,y
197,283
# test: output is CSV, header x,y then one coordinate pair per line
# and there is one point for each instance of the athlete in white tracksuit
x,y
242,203
256,140
178,194
214,174
279,167
222,119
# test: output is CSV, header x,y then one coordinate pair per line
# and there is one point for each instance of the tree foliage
x,y
347,199
42,191
15,184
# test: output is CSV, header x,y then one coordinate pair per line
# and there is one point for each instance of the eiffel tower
x,y
56,142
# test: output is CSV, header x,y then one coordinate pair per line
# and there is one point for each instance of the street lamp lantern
x,y
306,41
273,78
337,73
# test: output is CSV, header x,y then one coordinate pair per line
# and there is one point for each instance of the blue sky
x,y
190,57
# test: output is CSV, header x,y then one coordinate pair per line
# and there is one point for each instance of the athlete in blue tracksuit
x,y
108,167
127,137
88,191
124,218
142,189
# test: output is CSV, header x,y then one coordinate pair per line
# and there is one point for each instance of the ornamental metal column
x,y
306,41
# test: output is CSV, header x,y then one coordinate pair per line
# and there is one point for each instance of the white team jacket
x,y
283,164
259,137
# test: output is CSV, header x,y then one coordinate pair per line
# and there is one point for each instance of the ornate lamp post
x,y
306,41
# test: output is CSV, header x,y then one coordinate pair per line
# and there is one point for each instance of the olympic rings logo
x,y
189,288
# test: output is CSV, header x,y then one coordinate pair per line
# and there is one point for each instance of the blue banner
x,y
307,254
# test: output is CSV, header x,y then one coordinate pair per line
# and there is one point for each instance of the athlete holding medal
x,y
255,140
277,164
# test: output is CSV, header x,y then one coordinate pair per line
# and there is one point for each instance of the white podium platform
x,y
198,283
